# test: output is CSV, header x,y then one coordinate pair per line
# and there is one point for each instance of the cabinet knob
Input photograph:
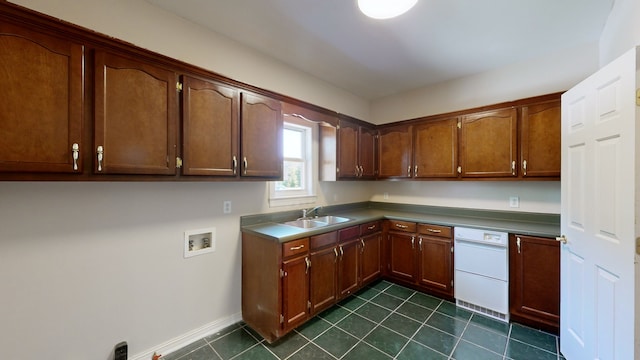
x,y
75,151
100,152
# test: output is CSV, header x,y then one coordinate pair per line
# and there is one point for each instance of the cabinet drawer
x,y
295,247
369,228
435,230
322,240
348,233
397,225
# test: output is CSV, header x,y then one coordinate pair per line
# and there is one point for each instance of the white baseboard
x,y
187,338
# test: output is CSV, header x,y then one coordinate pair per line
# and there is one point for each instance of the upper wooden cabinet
x,y
209,128
261,136
488,144
135,117
394,152
40,102
356,151
540,140
436,149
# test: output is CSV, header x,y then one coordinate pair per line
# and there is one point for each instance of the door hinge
x,y
638,97
451,283
179,86
452,249
459,169
282,273
308,304
178,162
281,319
459,124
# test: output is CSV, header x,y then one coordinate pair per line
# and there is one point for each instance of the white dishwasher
x,y
481,277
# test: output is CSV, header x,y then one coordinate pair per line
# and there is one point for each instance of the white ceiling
x,y
437,40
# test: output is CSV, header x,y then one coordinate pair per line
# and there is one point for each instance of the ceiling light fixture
x,y
385,9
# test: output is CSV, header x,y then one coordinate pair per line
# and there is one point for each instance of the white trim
x,y
294,200
189,337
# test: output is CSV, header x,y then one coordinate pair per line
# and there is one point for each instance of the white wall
x,y
622,30
548,74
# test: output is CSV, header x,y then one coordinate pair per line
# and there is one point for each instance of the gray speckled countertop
x,y
535,224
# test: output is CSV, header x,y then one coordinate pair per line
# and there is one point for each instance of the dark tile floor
x,y
384,321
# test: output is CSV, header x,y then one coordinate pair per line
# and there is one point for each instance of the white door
x,y
598,212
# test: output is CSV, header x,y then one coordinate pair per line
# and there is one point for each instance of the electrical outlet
x,y
385,195
226,207
514,201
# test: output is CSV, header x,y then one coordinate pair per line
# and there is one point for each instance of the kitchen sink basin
x,y
329,219
317,222
306,223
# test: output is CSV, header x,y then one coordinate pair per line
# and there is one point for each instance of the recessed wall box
x,y
198,242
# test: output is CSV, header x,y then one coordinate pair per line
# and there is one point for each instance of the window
x,y
299,173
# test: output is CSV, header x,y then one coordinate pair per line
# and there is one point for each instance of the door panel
x,y
598,214
347,150
402,256
436,149
295,292
348,277
323,279
210,128
261,140
135,117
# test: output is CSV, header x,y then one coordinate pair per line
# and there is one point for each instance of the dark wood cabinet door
x,y
370,257
348,277
367,153
295,292
209,128
436,264
534,281
135,117
401,256
348,150
394,152
488,144
435,153
40,102
261,139
540,140
324,274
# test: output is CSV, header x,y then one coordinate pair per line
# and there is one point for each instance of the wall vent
x,y
483,310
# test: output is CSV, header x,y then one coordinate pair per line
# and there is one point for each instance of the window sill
x,y
294,200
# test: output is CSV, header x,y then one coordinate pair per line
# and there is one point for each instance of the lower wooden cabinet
x,y
283,285
534,281
421,256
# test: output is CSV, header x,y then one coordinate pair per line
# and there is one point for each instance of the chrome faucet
x,y
307,212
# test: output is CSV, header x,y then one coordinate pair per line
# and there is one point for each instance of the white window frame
x,y
310,154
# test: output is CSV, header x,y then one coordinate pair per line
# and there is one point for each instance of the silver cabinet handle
x,y
235,164
246,165
435,231
75,151
401,226
308,262
420,244
524,167
409,171
362,249
371,227
341,251
413,242
100,151
415,170
513,167
361,171
293,248
335,251
518,244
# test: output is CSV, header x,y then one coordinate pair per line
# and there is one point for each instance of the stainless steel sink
x,y
329,219
317,222
306,223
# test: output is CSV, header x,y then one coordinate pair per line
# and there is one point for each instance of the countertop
x,y
534,224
